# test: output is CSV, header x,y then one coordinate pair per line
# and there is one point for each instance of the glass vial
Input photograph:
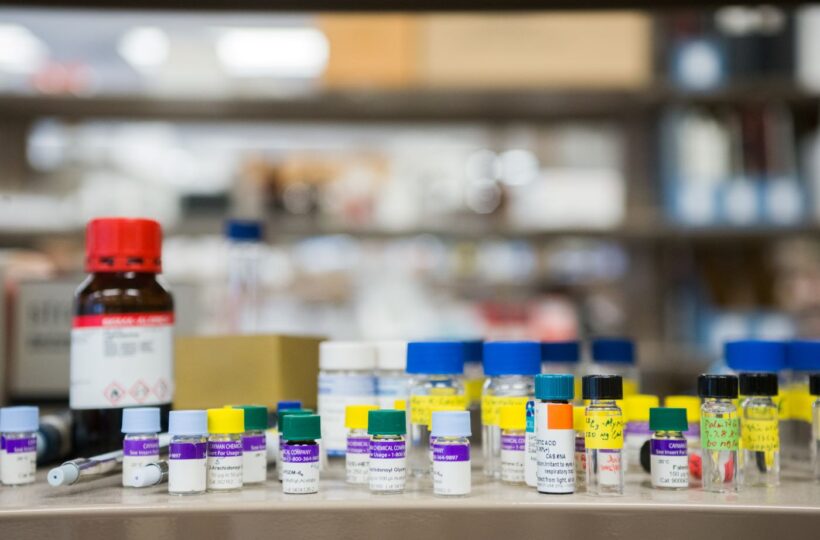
x,y
188,452
669,461
19,432
392,382
579,423
140,446
436,369
510,367
357,456
555,434
300,454
225,428
513,422
604,434
814,390
759,423
254,444
636,428
388,451
719,431
451,453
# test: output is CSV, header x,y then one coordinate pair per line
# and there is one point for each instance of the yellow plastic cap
x,y
636,407
690,403
226,420
356,416
579,418
400,405
513,417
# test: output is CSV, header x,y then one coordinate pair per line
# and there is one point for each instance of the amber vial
x,y
122,335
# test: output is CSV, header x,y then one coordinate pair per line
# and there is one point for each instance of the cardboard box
x,y
258,369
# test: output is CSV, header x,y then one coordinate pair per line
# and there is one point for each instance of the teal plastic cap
x,y
302,427
555,387
386,422
667,419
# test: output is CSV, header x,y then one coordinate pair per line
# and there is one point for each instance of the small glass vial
x,y
392,382
719,431
669,461
140,446
19,431
814,390
254,445
604,434
436,369
388,458
636,428
451,453
300,454
357,457
188,452
225,428
759,422
281,422
555,433
510,367
616,356
579,423
513,423
273,437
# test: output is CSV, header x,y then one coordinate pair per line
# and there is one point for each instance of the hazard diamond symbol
x,y
114,393
139,391
161,389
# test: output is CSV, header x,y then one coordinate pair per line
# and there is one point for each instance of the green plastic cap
x,y
256,417
302,427
386,422
667,419
280,415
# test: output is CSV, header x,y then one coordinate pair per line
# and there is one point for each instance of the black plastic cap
x,y
602,387
758,384
717,386
814,384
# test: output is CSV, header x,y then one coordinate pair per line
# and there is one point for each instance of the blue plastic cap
x,y
140,420
435,357
560,351
451,424
512,358
613,350
803,355
283,405
243,230
191,423
473,351
753,355
555,387
19,419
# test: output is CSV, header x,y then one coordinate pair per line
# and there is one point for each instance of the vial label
x,y
136,454
603,430
451,469
300,468
357,460
389,388
336,392
224,465
512,458
720,433
121,360
555,440
187,467
491,407
761,435
254,459
669,463
531,443
610,465
388,465
19,462
422,407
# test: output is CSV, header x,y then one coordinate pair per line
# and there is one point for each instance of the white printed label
x,y
19,461
610,467
121,360
187,475
388,465
357,460
336,392
254,459
224,465
555,449
300,469
512,466
669,463
451,469
531,461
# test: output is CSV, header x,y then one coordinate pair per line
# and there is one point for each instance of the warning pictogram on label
x,y
139,391
161,389
114,393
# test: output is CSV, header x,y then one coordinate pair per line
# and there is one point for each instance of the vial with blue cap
x,y
510,367
19,434
436,369
188,452
802,359
243,263
814,391
554,433
451,453
140,446
759,428
616,356
560,357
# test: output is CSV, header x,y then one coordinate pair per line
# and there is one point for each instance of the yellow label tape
x,y
760,435
491,407
604,431
422,407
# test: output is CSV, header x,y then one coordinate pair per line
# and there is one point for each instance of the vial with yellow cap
x,y
636,430
513,423
579,423
225,428
357,456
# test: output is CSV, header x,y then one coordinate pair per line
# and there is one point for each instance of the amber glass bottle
x,y
122,335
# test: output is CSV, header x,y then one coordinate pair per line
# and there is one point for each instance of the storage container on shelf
x,y
802,359
559,357
243,262
616,356
473,383
392,382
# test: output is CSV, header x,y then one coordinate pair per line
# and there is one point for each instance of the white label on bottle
x,y
336,392
254,459
389,389
555,441
137,453
451,469
300,468
187,467
669,463
224,465
610,467
512,458
121,360
357,460
530,444
388,465
19,461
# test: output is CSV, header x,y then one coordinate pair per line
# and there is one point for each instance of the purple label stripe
x,y
300,453
141,448
253,443
21,446
187,450
667,448
514,443
222,449
451,452
580,444
637,428
358,445
387,449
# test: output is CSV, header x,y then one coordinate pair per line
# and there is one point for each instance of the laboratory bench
x,y
103,509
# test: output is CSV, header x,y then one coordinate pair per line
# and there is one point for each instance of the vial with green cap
x,y
300,454
280,421
388,450
668,456
254,449
554,434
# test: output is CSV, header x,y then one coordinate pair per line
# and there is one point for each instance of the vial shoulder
x,y
122,293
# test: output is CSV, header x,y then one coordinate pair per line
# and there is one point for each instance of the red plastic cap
x,y
123,245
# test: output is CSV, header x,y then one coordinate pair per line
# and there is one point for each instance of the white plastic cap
x,y
342,355
391,355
